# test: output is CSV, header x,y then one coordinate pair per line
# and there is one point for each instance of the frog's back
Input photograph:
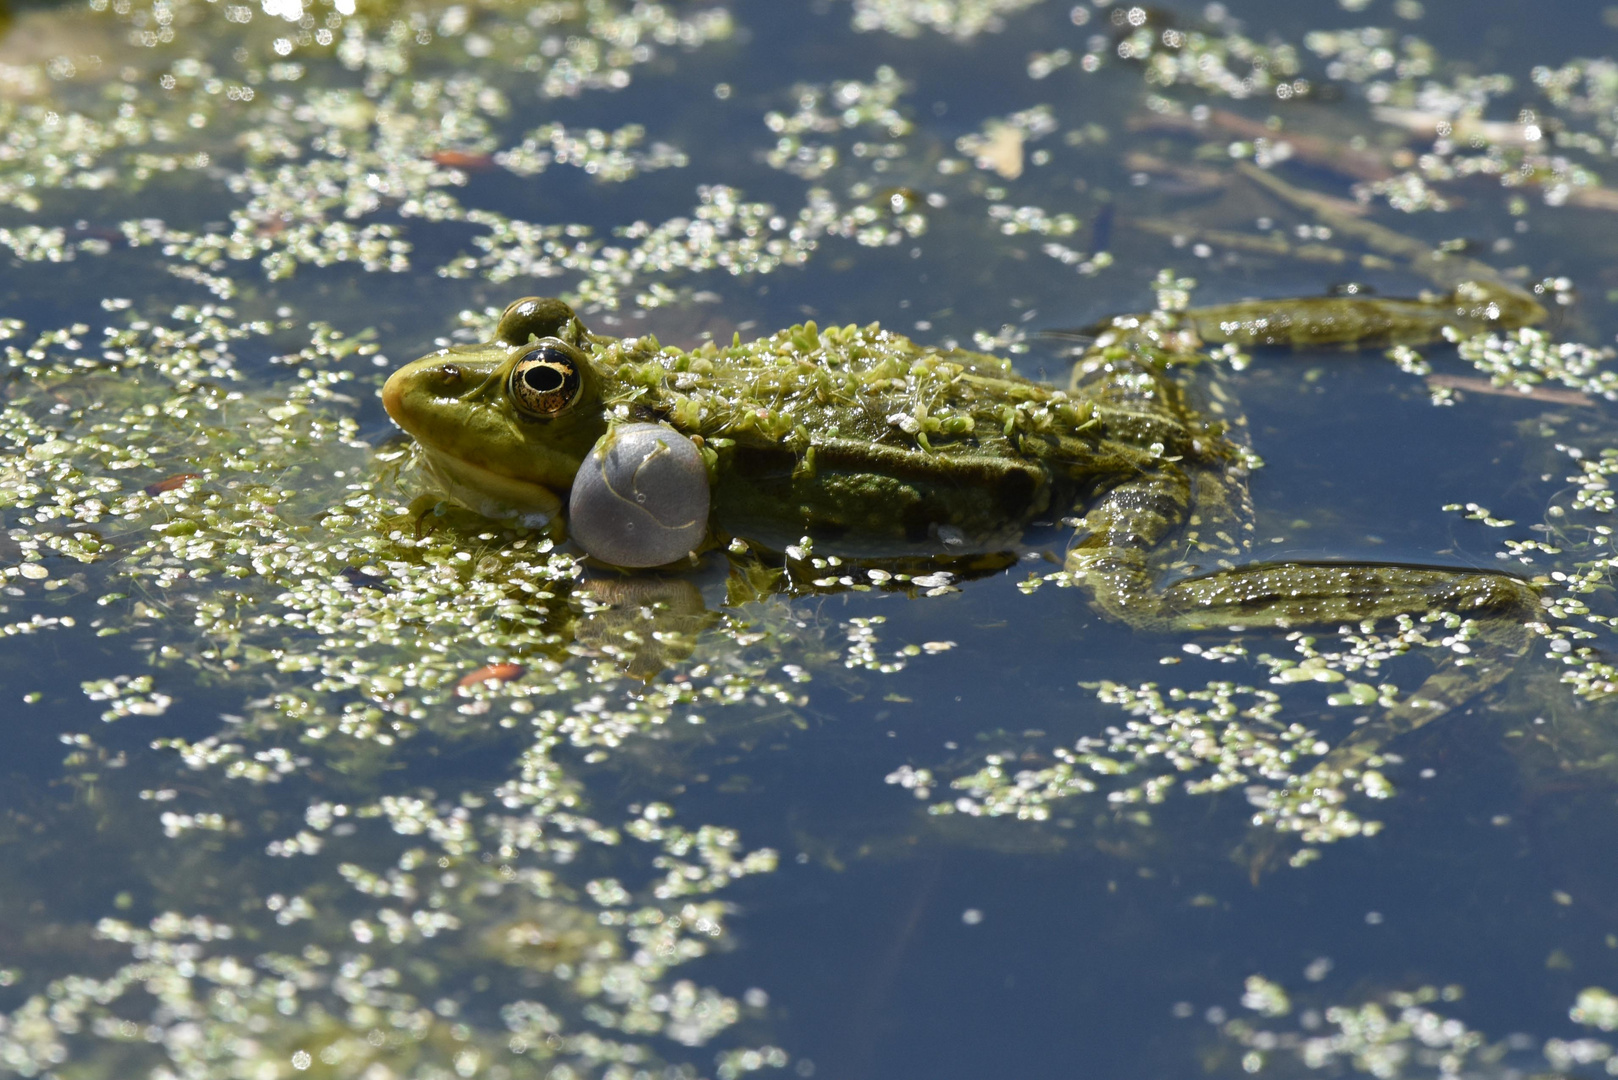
x,y
862,439
803,386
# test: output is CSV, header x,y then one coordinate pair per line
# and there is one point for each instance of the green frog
x,y
881,450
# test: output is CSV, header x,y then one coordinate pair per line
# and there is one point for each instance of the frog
x,y
875,450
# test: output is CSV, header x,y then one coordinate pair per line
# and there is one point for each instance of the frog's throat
x,y
492,494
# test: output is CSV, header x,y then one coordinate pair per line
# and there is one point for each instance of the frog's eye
x,y
546,381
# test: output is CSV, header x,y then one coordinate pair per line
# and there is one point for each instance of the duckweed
x,y
1402,1033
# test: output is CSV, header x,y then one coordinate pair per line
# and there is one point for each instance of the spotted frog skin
x,y
878,448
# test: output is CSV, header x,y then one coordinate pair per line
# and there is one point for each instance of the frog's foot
x,y
1356,764
1484,652
1444,269
1479,663
427,512
645,624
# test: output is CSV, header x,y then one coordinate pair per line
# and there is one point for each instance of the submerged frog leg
x,y
1442,268
1470,307
1111,559
1275,246
1477,298
1492,650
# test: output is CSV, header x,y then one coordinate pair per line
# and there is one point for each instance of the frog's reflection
x,y
651,622
645,623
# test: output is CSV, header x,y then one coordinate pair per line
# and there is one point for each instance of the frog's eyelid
x,y
551,317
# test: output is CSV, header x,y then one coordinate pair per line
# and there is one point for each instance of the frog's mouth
x,y
490,493
474,485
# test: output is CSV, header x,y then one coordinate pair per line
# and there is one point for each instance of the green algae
x,y
781,385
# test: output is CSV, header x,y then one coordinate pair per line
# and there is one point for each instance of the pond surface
x,y
311,774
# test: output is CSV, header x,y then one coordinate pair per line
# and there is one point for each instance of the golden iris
x,y
546,381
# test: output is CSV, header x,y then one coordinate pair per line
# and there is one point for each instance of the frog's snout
x,y
393,395
438,379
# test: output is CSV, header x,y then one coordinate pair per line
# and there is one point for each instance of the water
x,y
262,817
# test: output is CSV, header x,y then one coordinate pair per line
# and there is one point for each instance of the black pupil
x,y
543,379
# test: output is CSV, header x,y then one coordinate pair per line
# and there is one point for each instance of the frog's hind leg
x,y
1471,307
1219,525
1476,298
1444,269
1109,557
1292,594
1288,595
1122,552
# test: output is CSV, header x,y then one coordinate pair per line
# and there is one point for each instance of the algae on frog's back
x,y
849,382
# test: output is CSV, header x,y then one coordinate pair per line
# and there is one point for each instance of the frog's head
x,y
504,425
